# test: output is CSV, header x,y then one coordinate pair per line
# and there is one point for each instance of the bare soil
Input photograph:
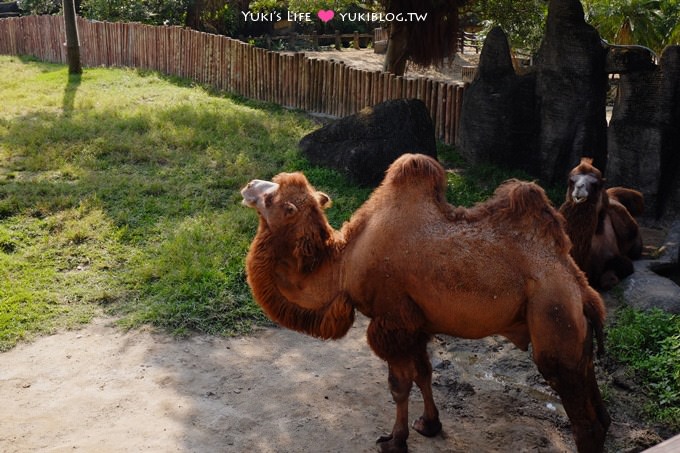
x,y
103,389
368,60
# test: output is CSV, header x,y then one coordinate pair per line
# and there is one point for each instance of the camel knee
x,y
400,385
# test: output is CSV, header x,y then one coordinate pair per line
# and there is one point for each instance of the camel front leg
x,y
400,381
428,424
405,350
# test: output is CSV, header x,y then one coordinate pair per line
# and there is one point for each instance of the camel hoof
x,y
428,428
388,444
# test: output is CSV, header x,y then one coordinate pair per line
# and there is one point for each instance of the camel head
x,y
292,209
585,182
281,201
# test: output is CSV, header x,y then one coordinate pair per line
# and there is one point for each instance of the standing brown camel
x,y
417,266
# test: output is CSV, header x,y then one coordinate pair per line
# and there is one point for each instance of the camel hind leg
x,y
562,344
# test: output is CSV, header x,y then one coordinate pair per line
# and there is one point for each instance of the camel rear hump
x,y
527,204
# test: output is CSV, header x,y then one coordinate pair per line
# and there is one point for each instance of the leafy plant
x,y
650,23
40,6
649,342
523,22
154,12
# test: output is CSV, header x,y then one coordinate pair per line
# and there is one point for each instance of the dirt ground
x,y
103,389
368,60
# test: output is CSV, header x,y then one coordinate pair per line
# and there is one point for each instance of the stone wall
x,y
644,134
545,121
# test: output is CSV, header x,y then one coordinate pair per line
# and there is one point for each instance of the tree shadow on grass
x,y
70,91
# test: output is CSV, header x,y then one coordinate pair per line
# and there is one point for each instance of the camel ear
x,y
289,208
324,200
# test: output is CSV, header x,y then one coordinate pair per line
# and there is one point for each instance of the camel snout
x,y
256,189
578,198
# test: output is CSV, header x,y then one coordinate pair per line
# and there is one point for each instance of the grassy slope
x,y
121,189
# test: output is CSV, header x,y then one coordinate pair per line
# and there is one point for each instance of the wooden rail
x,y
296,81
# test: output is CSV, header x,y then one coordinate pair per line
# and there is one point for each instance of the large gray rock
x,y
363,145
571,90
498,121
644,134
645,289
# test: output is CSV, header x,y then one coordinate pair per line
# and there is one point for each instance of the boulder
x,y
648,287
541,122
364,144
644,134
571,91
498,120
627,59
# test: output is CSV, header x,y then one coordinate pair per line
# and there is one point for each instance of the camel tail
x,y
527,204
593,309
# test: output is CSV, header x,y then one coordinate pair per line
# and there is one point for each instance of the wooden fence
x,y
318,86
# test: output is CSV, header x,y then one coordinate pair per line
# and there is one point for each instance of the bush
x,y
649,342
153,12
38,7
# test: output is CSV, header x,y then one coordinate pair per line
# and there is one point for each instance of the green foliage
x,y
155,12
650,23
649,342
224,19
38,7
303,6
523,22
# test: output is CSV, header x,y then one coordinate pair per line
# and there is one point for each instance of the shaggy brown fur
x,y
417,266
601,226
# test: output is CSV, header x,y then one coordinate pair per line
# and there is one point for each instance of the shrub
x,y
649,342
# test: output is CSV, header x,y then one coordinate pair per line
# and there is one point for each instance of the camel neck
x,y
309,302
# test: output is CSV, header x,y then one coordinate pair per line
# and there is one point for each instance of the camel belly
x,y
471,315
468,302
468,282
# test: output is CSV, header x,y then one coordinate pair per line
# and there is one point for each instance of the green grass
x,y
649,342
119,191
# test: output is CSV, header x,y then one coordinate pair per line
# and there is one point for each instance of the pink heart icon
x,y
325,16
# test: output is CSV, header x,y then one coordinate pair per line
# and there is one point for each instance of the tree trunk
x,y
72,41
397,55
194,13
